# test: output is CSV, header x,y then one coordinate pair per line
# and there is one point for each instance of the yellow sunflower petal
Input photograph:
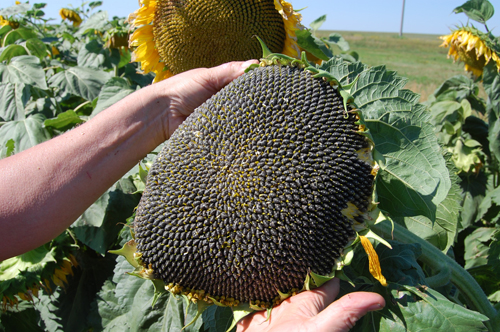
x,y
374,264
142,35
143,15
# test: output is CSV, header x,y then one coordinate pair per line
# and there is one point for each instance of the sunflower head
x,y
175,36
13,24
117,39
22,277
472,47
70,15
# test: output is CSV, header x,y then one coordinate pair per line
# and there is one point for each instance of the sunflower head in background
x,y
70,15
472,47
8,21
173,36
47,266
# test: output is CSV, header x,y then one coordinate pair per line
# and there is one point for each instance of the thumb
x,y
348,310
218,77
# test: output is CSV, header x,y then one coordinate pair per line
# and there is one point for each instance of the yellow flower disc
x,y
175,36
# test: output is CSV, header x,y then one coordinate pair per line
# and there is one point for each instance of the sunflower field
x,y
433,223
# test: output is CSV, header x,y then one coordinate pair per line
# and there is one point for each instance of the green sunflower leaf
x,y
313,45
100,224
81,81
13,99
443,231
338,40
23,69
8,149
317,23
124,303
217,319
98,21
477,10
413,177
18,34
477,247
64,121
25,133
15,9
113,91
176,315
12,51
24,319
36,47
93,55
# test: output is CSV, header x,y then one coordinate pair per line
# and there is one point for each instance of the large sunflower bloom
x,y
472,47
175,36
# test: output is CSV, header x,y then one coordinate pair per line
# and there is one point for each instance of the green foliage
x,y
99,226
477,10
406,150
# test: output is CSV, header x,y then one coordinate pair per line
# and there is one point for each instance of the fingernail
x,y
375,307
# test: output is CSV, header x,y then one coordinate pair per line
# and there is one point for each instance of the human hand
x,y
315,311
186,91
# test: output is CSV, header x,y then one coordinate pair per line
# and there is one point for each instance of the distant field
x,y
415,56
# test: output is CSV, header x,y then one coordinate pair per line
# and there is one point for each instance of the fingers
x,y
218,77
348,310
314,301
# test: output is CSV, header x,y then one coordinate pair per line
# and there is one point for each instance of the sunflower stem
x,y
434,258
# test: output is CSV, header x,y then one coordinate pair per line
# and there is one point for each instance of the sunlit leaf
x,y
23,69
413,176
443,231
15,9
338,40
25,133
97,21
92,54
113,91
80,81
477,10
13,99
17,34
8,149
12,51
63,121
477,247
36,47
314,45
317,23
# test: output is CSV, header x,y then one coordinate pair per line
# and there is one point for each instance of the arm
x,y
45,188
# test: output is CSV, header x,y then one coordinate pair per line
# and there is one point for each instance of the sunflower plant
x,y
467,124
428,207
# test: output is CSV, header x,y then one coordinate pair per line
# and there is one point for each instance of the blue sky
x,y
421,16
